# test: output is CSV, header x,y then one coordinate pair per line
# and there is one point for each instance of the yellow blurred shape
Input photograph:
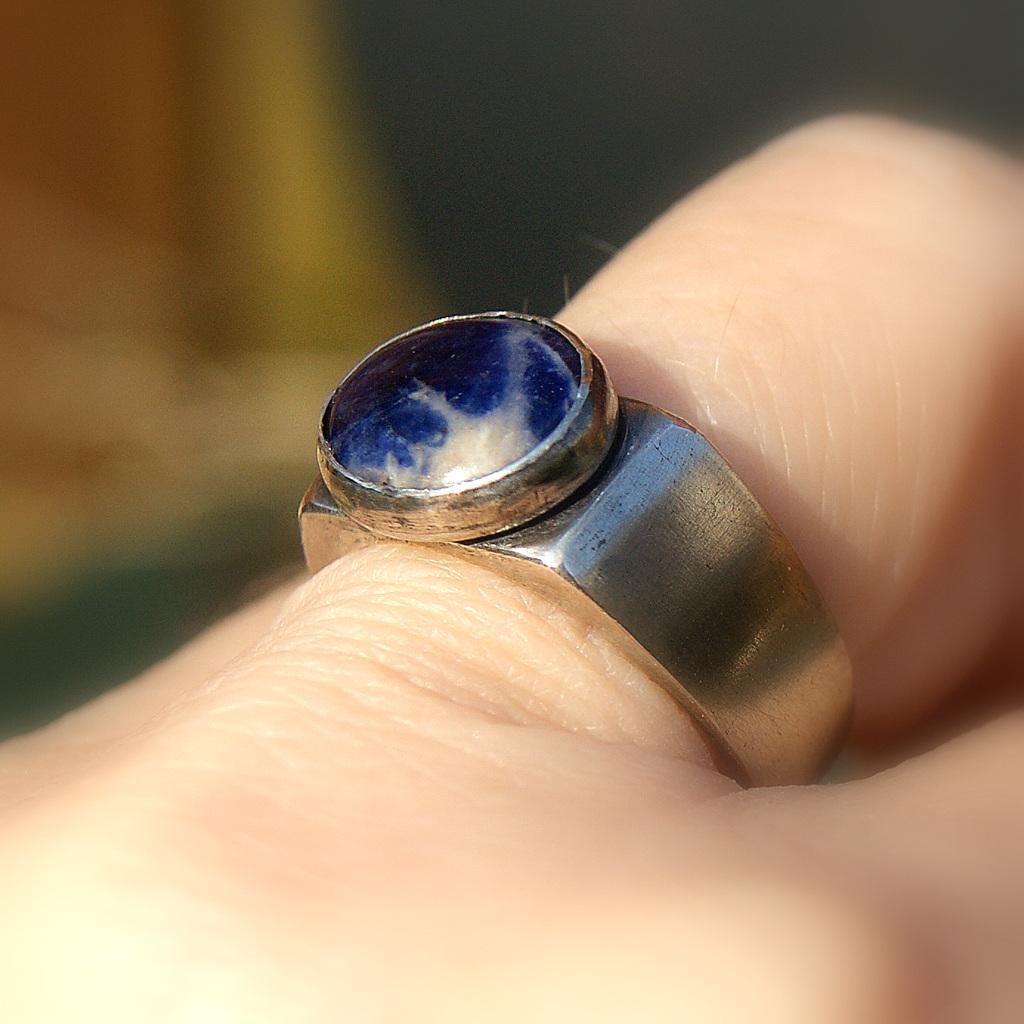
x,y
199,241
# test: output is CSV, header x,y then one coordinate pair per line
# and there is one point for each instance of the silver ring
x,y
500,434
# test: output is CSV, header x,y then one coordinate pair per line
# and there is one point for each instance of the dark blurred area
x,y
530,139
210,211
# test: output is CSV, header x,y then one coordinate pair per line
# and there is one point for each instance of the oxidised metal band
x,y
666,546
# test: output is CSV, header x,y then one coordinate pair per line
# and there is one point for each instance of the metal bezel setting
x,y
515,494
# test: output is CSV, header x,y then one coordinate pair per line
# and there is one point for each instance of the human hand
x,y
410,789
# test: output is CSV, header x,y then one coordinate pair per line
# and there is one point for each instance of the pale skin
x,y
409,790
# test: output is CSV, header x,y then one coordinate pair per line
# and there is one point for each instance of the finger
x,y
837,315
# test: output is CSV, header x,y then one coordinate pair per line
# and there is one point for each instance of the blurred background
x,y
209,210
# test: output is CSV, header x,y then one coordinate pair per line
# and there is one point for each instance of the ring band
x,y
500,434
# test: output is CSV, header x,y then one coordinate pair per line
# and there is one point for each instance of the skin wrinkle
x,y
763,414
548,628
808,413
725,331
420,676
828,518
433,658
897,437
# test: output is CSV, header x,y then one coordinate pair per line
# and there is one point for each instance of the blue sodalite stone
x,y
453,402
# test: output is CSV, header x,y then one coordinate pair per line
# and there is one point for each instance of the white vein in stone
x,y
475,445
